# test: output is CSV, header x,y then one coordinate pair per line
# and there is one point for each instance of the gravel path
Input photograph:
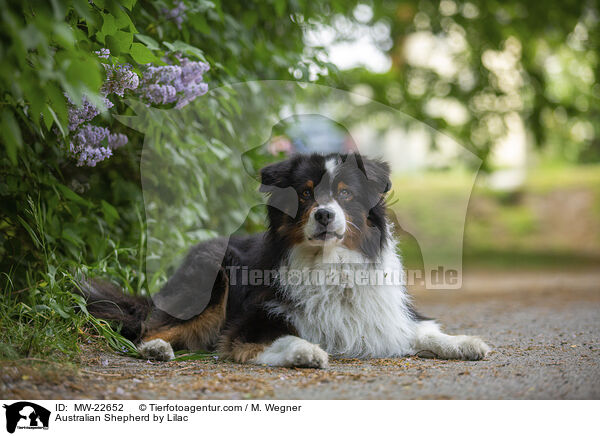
x,y
544,329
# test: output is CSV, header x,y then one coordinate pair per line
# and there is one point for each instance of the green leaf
x,y
63,35
81,303
141,54
70,195
184,355
122,20
84,72
109,27
57,105
82,7
186,48
54,305
11,135
200,24
32,233
71,235
150,42
47,116
128,3
35,96
57,121
120,42
110,213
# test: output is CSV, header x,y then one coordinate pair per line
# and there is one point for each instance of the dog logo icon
x,y
26,415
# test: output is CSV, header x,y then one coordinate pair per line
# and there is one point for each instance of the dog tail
x,y
106,301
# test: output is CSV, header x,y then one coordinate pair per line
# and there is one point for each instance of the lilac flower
x,y
80,114
89,134
174,83
85,112
191,92
86,145
119,78
160,94
164,74
177,14
103,53
179,84
93,144
87,140
90,156
117,140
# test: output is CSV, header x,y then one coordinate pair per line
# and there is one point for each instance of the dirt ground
x,y
544,328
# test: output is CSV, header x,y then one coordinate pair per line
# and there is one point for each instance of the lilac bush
x,y
160,85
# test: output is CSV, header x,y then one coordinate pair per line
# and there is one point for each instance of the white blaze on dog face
x,y
327,220
316,232
331,165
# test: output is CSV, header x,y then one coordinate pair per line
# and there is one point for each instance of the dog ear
x,y
275,175
378,173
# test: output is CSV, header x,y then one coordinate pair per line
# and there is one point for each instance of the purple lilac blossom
x,y
117,140
174,83
85,112
86,145
119,78
179,84
161,94
87,140
177,14
103,53
89,146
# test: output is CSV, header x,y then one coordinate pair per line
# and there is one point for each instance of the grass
x,y
49,321
183,355
549,177
46,319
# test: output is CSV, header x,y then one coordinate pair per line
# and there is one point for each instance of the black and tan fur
x,y
239,320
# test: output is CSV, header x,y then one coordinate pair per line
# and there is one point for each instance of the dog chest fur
x,y
347,319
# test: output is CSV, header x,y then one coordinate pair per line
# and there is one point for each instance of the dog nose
x,y
324,216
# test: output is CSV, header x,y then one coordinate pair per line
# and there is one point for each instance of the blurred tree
x,y
487,61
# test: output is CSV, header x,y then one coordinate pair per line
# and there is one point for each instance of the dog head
x,y
328,199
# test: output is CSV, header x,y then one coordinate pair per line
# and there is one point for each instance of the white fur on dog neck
x,y
357,321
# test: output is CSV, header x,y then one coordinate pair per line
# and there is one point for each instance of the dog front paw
x,y
156,349
310,356
471,348
292,351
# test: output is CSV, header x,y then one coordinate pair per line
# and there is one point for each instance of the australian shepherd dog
x,y
326,222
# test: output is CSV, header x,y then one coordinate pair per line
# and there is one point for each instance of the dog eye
x,y
306,193
344,194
